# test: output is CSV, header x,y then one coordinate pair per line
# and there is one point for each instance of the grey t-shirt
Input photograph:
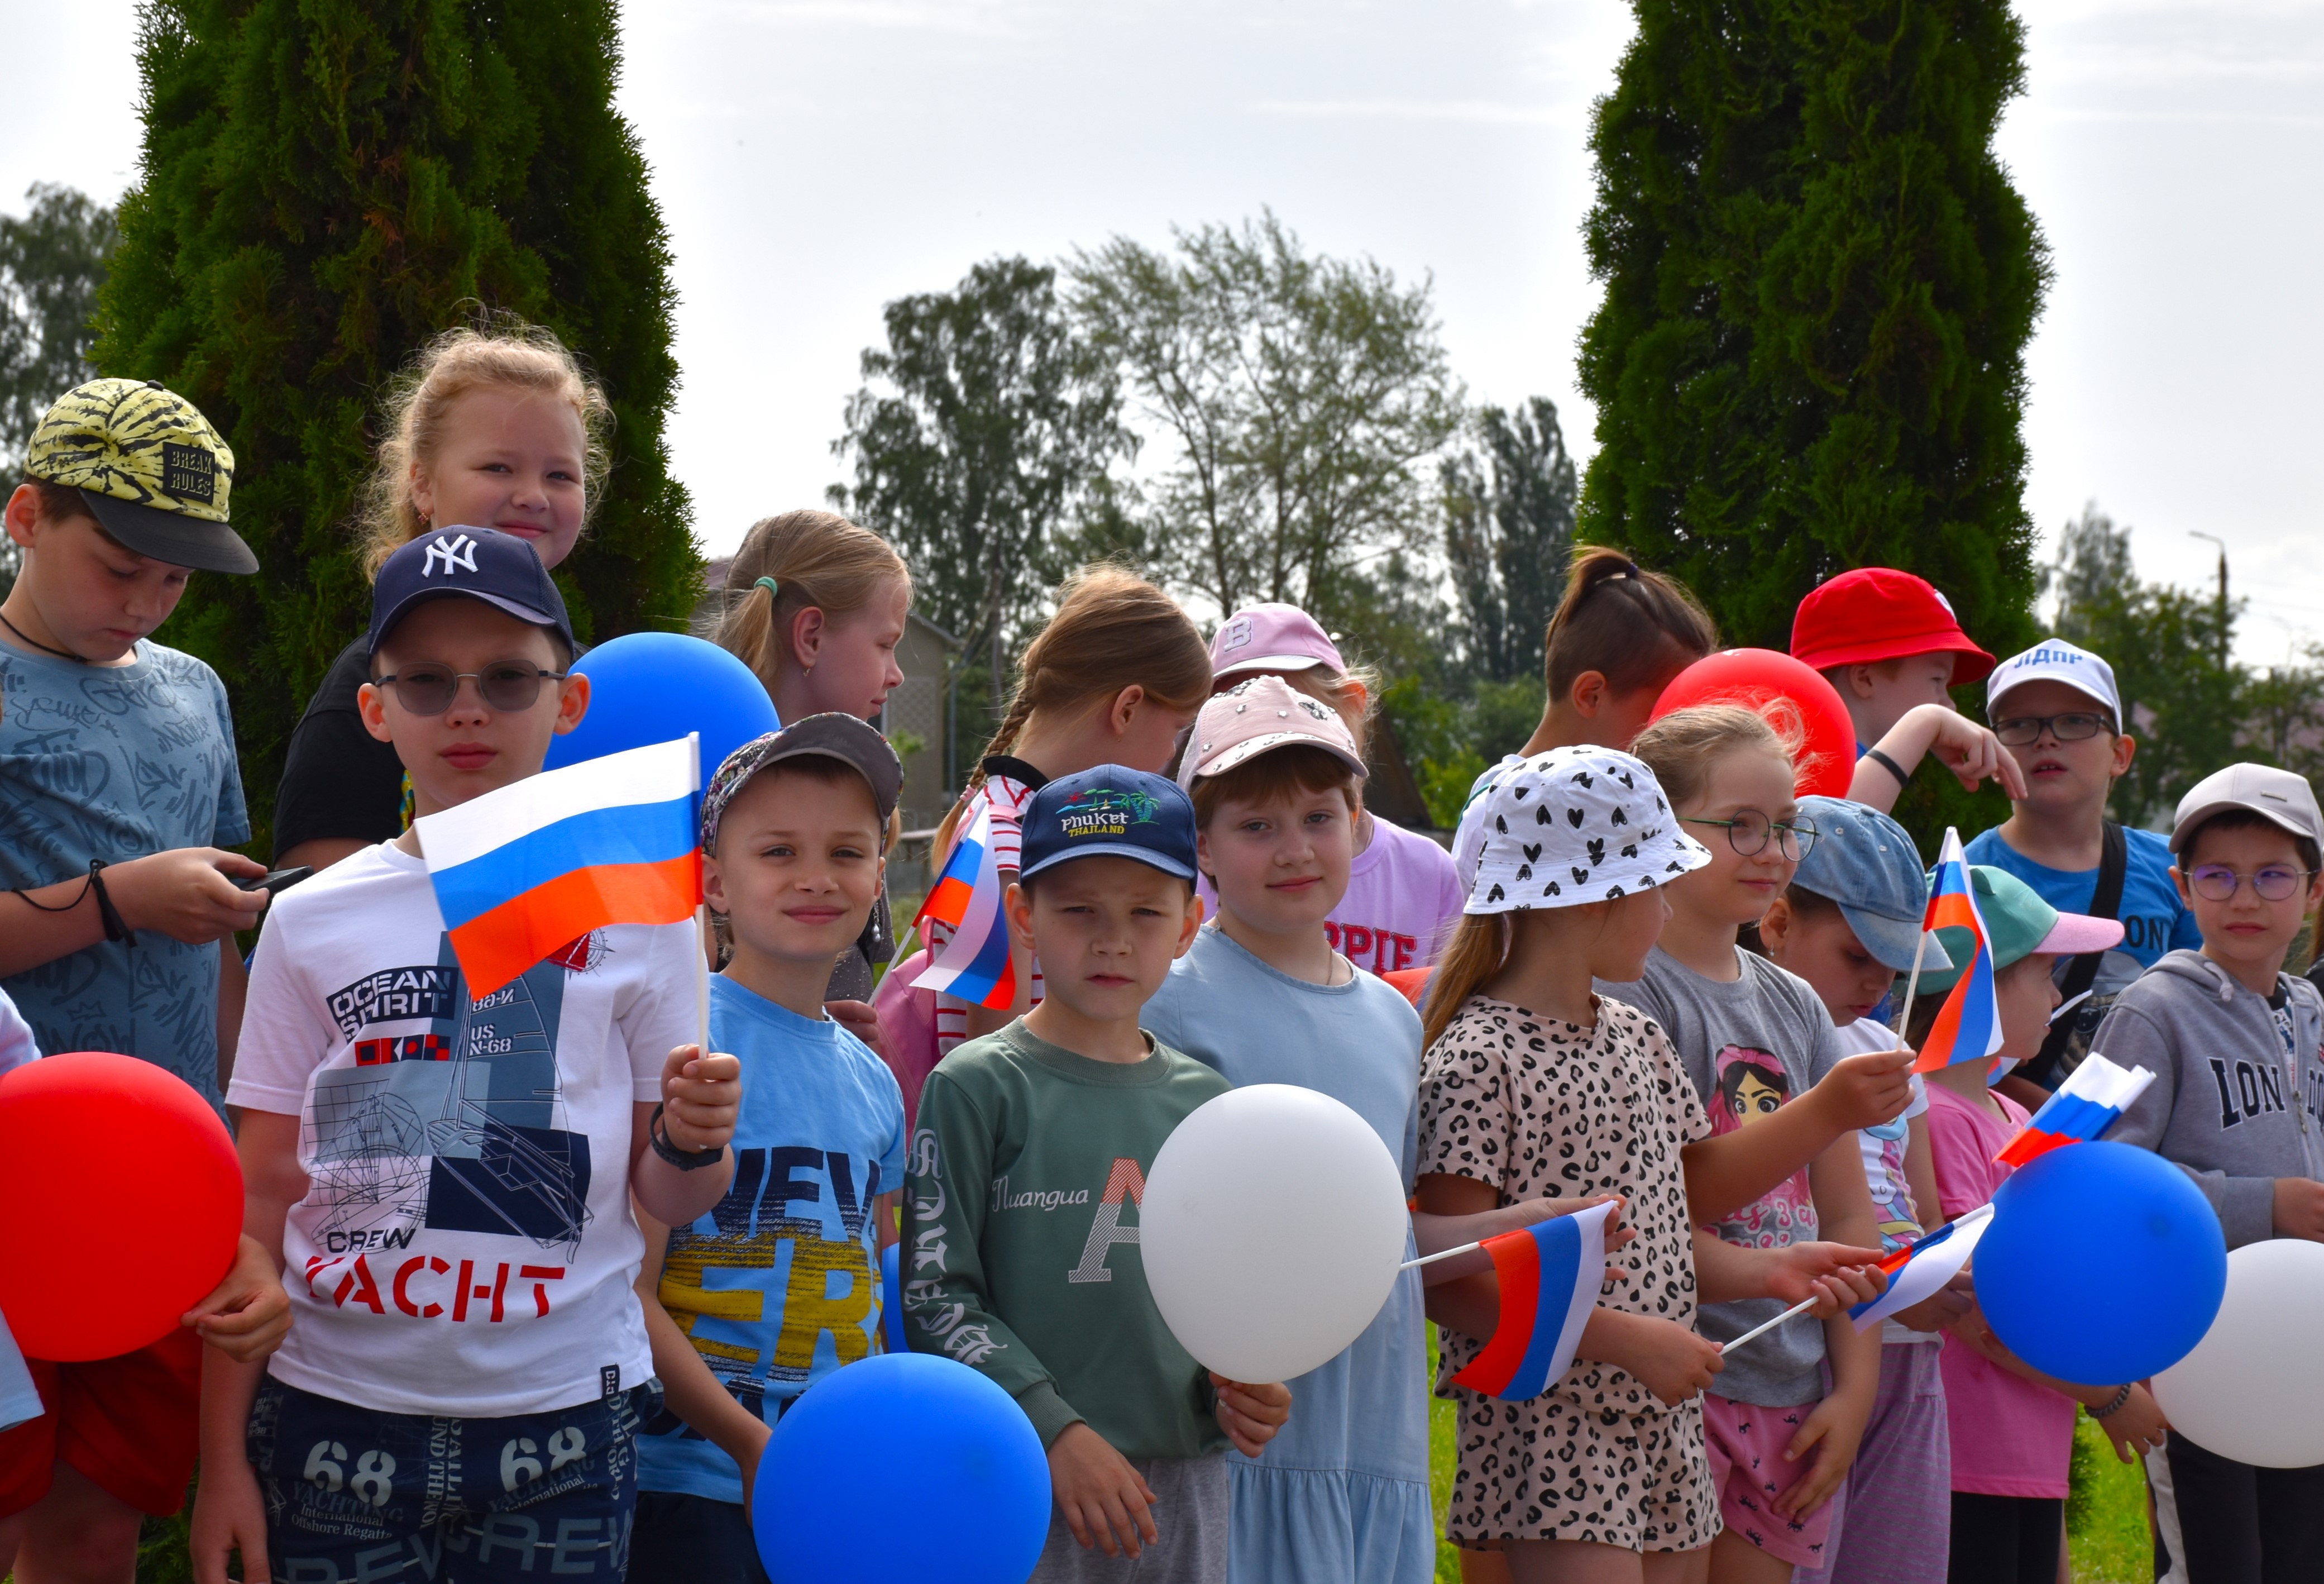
x,y
114,762
1750,1046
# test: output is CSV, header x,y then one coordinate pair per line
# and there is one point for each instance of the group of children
x,y
528,1279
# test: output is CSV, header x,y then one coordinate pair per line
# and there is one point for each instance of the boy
x,y
1889,644
118,780
448,1176
2056,710
777,1286
1262,997
1030,1156
2238,1101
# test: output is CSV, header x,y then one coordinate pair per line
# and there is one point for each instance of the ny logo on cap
x,y
1234,634
458,555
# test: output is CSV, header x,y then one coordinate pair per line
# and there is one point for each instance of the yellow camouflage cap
x,y
149,467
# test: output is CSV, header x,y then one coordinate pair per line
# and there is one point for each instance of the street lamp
x,y
2215,539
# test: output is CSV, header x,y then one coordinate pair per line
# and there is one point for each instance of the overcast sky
x,y
815,159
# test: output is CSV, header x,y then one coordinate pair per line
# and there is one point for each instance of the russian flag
x,y
1550,1274
1968,1024
1919,1270
533,866
2092,1099
974,964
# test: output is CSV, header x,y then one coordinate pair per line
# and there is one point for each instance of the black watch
x,y
684,1160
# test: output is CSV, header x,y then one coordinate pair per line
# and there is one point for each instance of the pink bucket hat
x,y
1257,714
1271,637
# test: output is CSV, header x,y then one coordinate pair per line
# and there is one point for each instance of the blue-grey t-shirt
x,y
114,762
778,1285
1365,1413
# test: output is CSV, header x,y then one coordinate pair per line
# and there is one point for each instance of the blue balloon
x,y
2104,1264
891,1298
652,686
974,1508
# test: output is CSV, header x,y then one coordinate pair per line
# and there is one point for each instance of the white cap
x,y
2279,796
2054,659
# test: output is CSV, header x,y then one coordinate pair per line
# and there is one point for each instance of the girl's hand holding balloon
x,y
1250,1415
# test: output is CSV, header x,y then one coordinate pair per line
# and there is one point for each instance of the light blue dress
x,y
1342,1493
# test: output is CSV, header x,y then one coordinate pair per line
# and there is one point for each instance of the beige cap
x,y
2279,795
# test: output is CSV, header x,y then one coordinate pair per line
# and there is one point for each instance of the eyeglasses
x,y
2021,731
2275,882
509,686
1749,832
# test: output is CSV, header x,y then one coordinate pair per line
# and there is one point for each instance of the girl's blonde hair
x,y
1112,630
817,559
1682,747
1479,945
507,352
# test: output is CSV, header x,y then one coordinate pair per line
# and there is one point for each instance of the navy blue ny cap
x,y
483,563
1109,811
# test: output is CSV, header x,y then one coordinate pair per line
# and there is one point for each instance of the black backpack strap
x,y
2105,902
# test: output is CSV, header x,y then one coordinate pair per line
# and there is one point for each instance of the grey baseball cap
x,y
2279,795
1865,862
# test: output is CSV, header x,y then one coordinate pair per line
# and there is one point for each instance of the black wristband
x,y
1903,777
2121,1398
684,1160
114,927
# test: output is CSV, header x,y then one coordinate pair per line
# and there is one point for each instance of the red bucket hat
x,y
1878,613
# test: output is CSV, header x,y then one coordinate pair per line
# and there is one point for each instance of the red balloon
x,y
1794,698
124,1204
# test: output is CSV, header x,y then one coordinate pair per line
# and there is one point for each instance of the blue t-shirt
x,y
114,762
778,1284
2153,920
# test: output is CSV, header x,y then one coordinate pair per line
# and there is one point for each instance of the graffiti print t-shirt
x,y
1021,1210
114,762
465,1246
1750,1045
777,1286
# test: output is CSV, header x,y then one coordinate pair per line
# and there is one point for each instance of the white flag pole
x,y
701,924
1430,1259
1802,1307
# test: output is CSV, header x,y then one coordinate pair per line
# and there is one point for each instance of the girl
x,y
1532,1087
1847,924
1753,1038
816,607
493,428
2012,1427
1618,638
1403,898
1113,679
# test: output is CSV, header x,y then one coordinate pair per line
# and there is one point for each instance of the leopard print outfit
x,y
1544,1109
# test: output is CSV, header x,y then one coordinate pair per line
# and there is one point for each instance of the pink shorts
x,y
1746,1444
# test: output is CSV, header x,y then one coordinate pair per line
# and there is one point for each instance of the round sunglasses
x,y
508,686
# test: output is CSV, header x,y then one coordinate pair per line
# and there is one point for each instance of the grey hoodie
x,y
2225,1103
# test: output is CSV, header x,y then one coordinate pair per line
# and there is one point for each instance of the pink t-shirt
x,y
1402,902
2010,1437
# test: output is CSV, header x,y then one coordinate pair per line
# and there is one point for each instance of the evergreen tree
x,y
326,184
1819,285
1509,535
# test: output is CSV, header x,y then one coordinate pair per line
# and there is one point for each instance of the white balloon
x,y
1272,1225
2252,1390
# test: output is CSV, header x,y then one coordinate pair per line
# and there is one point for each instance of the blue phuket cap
x,y
1865,862
1110,811
483,563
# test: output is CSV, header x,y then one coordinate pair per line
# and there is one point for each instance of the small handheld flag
x,y
974,964
523,871
2091,1100
1968,1026
1550,1273
1921,1268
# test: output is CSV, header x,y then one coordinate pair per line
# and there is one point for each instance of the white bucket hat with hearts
x,y
1577,825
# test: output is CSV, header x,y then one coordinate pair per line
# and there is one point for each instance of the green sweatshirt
x,y
1026,1169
